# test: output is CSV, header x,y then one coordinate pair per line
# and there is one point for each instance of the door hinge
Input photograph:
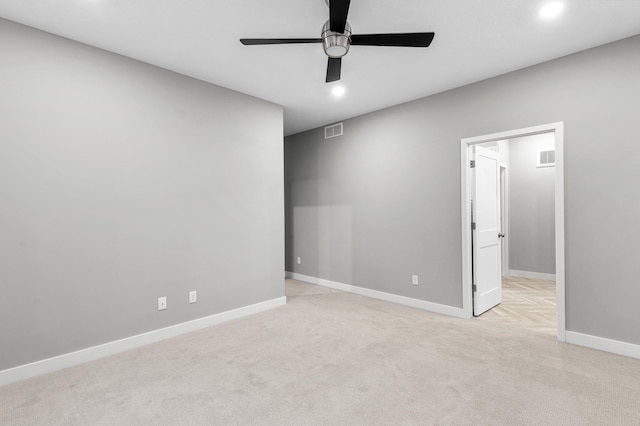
x,y
474,288
473,226
473,163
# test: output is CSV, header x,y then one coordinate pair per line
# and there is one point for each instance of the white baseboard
x,y
388,297
534,275
37,368
602,344
593,342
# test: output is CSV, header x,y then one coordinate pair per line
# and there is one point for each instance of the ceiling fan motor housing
x,y
336,45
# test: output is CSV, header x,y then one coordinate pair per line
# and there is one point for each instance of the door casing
x,y
465,183
504,218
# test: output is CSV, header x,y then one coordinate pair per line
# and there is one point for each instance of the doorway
x,y
467,146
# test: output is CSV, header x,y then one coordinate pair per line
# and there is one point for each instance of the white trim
x,y
593,342
517,133
602,344
37,368
465,190
504,217
559,219
530,274
380,295
465,203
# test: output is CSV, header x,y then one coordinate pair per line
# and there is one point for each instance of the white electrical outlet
x,y
299,260
193,296
414,279
162,303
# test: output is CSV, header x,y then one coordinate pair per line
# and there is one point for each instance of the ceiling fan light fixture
x,y
551,10
336,45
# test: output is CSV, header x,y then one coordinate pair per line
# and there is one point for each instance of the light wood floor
x,y
526,303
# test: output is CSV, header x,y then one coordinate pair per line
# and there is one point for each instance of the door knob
x,y
500,235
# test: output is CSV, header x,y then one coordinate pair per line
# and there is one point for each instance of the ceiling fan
x,y
336,38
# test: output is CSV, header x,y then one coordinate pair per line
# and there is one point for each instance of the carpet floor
x,y
329,357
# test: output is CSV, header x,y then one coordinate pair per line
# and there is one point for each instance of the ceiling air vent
x,y
547,158
333,131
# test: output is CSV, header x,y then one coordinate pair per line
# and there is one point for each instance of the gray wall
x,y
531,206
121,182
382,202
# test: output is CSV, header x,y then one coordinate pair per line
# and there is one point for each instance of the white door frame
x,y
504,218
465,187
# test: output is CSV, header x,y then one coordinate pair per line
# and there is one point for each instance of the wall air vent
x,y
333,131
546,158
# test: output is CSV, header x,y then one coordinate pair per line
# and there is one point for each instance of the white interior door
x,y
487,271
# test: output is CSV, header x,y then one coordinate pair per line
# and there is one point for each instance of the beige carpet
x,y
335,358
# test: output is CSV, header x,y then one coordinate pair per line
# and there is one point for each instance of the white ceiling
x,y
475,40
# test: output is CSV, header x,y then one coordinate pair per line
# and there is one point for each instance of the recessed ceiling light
x,y
338,91
551,10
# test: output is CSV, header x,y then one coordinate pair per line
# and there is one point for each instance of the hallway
x,y
527,303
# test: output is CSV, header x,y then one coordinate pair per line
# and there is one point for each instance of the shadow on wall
x,y
323,235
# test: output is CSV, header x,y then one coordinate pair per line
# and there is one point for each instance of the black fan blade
x,y
338,10
333,69
401,39
256,41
